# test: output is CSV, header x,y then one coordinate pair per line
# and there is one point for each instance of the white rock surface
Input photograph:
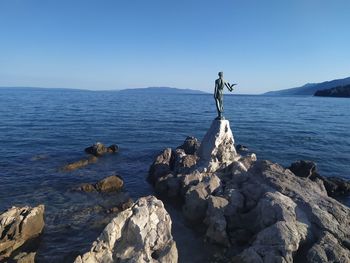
x,y
139,234
217,148
17,226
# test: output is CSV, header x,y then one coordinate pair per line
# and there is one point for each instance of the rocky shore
x,y
253,211
257,211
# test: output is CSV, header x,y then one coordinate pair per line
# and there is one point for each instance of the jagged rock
x,y
17,226
25,257
184,163
335,186
168,185
109,184
141,233
190,145
241,148
99,149
162,165
217,148
196,198
303,168
328,249
291,212
113,148
215,220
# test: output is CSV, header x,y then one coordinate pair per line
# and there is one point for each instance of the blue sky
x,y
261,45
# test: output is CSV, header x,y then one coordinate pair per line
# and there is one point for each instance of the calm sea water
x,y
40,131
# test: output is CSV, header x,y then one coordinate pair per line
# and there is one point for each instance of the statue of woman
x,y
220,83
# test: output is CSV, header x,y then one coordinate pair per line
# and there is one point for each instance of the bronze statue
x,y
220,83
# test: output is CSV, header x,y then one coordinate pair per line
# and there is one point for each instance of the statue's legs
x,y
219,107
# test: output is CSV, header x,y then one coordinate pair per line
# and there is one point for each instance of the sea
x,y
42,130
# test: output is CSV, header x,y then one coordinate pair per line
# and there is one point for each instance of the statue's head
x,y
221,74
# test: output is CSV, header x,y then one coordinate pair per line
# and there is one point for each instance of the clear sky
x,y
101,44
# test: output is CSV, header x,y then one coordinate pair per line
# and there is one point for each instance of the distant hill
x,y
161,90
310,88
340,91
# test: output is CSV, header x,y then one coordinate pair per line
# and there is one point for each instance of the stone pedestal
x,y
217,148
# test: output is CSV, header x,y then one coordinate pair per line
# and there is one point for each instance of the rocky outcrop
x,y
257,210
217,148
141,233
335,186
99,149
190,145
109,184
19,225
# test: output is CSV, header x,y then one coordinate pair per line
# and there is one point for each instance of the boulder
x,y
217,148
184,163
290,213
19,225
303,168
141,233
195,206
335,186
108,184
168,185
162,165
190,145
99,149
216,221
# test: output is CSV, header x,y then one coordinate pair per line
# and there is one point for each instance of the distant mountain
x,y
161,90
310,88
340,91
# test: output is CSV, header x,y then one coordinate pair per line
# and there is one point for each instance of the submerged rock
x,y
141,233
79,164
19,225
99,149
109,184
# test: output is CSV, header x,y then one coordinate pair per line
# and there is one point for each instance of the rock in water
x,y
18,225
217,148
141,233
109,184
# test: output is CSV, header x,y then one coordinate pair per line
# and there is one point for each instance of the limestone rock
x,y
335,186
216,221
168,185
162,165
196,198
184,163
217,148
99,149
290,212
190,145
17,226
109,184
303,168
25,257
79,164
141,233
